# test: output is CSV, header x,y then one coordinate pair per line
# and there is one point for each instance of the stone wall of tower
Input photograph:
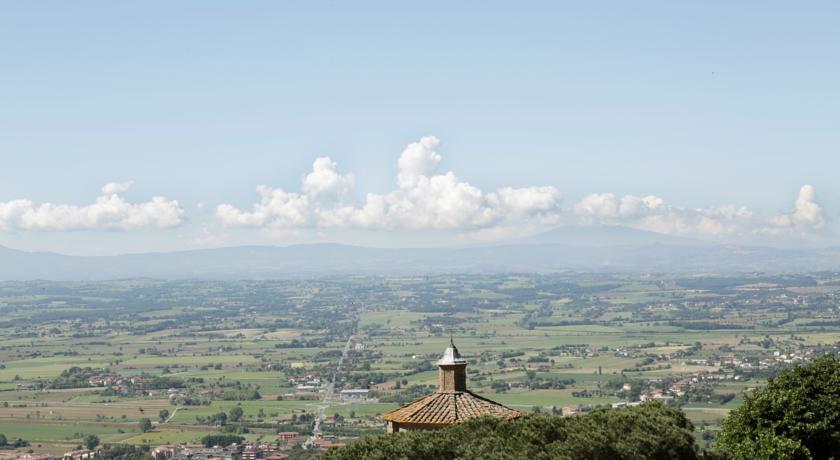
x,y
452,377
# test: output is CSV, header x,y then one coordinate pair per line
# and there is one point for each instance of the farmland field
x,y
255,358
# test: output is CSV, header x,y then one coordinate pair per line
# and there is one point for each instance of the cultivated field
x,y
97,358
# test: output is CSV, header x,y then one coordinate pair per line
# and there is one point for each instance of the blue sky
x,y
540,109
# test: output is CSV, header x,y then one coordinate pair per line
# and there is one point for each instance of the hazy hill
x,y
566,249
605,235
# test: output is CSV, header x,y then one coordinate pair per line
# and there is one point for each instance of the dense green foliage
x,y
5,443
212,440
235,414
124,452
91,441
145,425
649,431
246,394
797,416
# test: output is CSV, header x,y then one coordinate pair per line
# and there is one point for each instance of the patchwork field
x,y
255,358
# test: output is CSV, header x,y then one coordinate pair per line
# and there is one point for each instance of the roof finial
x,y
451,355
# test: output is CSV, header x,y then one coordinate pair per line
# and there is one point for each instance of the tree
x,y
91,441
650,431
797,416
14,444
124,452
766,445
218,419
145,425
235,414
212,440
163,415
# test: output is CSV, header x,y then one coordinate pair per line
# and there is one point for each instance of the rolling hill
x,y
599,249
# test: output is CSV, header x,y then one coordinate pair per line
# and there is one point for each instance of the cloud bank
x,y
423,199
653,214
110,211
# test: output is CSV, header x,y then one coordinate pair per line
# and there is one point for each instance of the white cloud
x,y
116,188
607,206
110,211
418,160
426,199
597,206
653,214
276,208
632,205
806,216
423,199
513,203
326,181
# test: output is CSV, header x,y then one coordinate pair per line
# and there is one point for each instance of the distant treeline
x,y
729,282
707,325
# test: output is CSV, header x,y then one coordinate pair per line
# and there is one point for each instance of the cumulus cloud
x,y
326,181
279,209
276,208
116,188
110,211
653,214
806,216
607,206
417,161
423,199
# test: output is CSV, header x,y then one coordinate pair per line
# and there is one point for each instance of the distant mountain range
x,y
605,236
585,249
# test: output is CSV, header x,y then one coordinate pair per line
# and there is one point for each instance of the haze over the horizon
x,y
165,126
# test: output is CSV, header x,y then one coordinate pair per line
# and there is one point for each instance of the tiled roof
x,y
443,408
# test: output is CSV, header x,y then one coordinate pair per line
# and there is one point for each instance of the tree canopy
x,y
235,414
124,452
5,443
91,441
223,440
650,431
797,416
145,425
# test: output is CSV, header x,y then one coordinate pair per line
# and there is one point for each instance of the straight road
x,y
329,394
